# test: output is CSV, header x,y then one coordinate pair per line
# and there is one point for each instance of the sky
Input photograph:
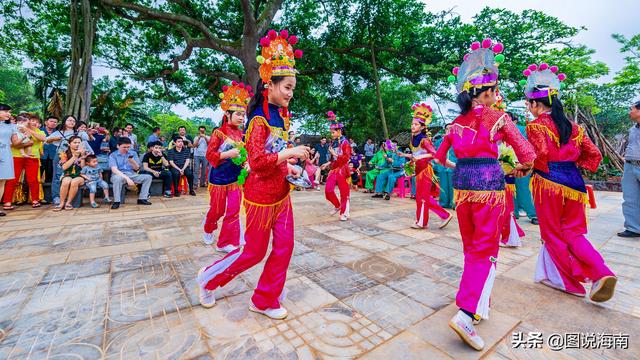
x,y
601,18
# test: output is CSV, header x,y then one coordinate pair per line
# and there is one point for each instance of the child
x,y
355,176
23,136
93,176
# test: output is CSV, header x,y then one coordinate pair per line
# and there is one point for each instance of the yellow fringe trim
x,y
489,197
578,139
265,215
540,185
545,129
428,172
510,189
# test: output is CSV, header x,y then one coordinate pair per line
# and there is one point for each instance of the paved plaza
x,y
97,283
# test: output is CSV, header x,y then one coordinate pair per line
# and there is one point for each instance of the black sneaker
x,y
628,234
377,196
387,197
167,194
534,221
115,205
192,193
144,202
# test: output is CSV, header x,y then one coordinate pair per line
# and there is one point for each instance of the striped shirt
x,y
178,157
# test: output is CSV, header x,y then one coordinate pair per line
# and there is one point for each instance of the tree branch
x,y
265,19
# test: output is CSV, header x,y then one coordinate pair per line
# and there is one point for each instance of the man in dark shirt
x,y
323,150
179,159
155,164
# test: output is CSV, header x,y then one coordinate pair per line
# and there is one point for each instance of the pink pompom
x,y
234,83
544,66
225,88
486,43
264,42
562,76
249,88
526,72
272,34
466,57
498,48
533,67
455,70
475,45
284,34
241,85
297,54
554,69
293,40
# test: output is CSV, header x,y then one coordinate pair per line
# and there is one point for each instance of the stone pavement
x,y
96,283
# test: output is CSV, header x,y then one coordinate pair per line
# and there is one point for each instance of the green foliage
x,y
630,73
16,89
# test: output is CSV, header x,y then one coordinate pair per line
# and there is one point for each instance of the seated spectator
x,y
155,164
100,144
71,162
179,161
155,135
113,141
124,163
92,175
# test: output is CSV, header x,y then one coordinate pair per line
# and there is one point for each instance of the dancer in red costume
x,y
266,191
567,259
224,155
340,151
478,181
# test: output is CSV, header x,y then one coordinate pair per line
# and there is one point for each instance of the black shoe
x,y
387,197
192,193
115,205
177,194
628,234
377,196
534,221
144,202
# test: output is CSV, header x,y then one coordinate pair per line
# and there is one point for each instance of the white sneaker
x,y
602,290
335,211
445,222
207,298
208,238
277,314
462,324
344,217
416,226
226,249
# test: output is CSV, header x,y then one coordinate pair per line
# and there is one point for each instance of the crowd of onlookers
x,y
51,161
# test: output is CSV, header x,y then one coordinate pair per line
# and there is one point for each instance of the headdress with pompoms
x,y
423,113
235,97
335,124
277,58
542,81
479,68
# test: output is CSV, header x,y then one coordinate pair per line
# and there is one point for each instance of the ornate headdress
x,y
235,97
423,113
480,66
335,124
542,81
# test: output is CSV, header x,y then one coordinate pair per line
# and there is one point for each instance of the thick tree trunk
x,y
378,95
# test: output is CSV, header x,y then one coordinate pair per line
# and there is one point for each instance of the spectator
x,y
7,137
163,140
26,157
82,130
116,133
200,163
155,164
49,151
631,178
59,139
124,163
182,134
353,144
100,145
323,150
71,163
132,136
297,141
369,151
179,161
92,176
312,169
155,135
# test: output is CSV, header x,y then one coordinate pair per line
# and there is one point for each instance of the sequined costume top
x,y
421,145
224,138
340,161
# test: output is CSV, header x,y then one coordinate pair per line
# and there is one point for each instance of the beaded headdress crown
x,y
235,97
480,66
423,113
335,124
542,81
277,57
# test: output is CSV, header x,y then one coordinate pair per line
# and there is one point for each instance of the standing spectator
x,y
82,130
179,161
100,145
323,150
631,178
155,135
182,134
49,151
353,144
59,139
200,163
71,163
7,137
27,160
369,150
116,133
134,139
124,163
155,164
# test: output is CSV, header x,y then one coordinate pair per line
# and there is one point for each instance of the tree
x,y
16,89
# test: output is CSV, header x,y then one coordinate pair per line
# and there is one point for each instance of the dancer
x,y
340,151
266,192
422,152
479,181
223,153
566,258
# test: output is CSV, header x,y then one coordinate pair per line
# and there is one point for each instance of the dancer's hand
x,y
521,170
300,152
231,154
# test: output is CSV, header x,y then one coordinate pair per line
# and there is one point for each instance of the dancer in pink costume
x,y
479,187
340,151
422,152
566,258
224,155
266,192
